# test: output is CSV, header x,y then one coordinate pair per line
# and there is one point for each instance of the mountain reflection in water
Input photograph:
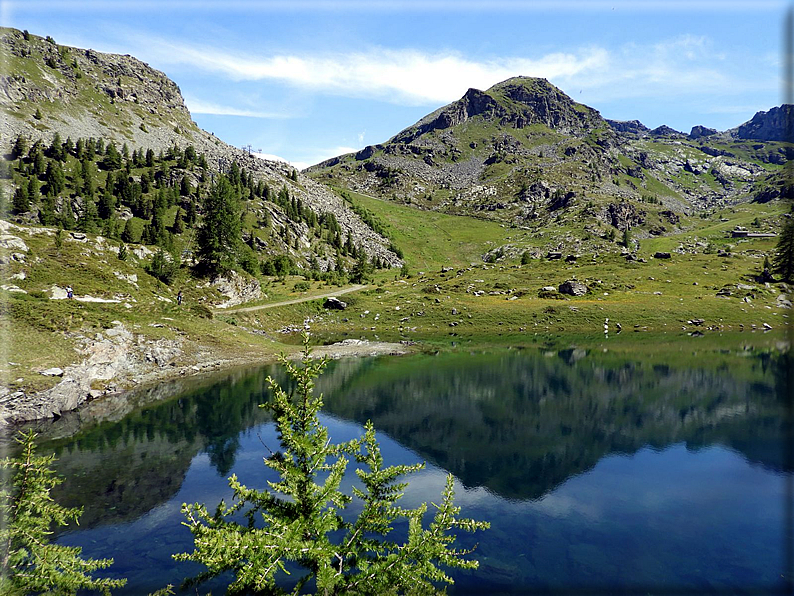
x,y
522,425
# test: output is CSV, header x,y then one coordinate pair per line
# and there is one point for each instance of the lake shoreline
x,y
120,362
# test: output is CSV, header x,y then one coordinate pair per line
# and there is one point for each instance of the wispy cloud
x,y
405,76
197,106
680,66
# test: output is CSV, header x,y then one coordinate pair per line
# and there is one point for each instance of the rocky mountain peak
x,y
775,125
517,102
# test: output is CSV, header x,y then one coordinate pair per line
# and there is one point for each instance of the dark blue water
x,y
598,473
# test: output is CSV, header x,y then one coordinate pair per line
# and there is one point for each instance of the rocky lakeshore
x,y
118,360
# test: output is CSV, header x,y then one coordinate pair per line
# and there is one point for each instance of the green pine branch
x,y
297,519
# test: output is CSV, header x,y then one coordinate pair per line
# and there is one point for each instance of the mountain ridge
x,y
524,153
81,93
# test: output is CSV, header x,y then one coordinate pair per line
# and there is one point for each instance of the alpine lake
x,y
601,470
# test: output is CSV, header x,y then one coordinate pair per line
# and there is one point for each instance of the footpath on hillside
x,y
294,300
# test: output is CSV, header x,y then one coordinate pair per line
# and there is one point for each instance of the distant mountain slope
x,y
525,153
774,125
48,88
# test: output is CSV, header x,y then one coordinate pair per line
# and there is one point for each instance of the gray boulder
x,y
334,304
573,288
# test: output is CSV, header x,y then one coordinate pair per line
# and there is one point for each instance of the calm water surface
x,y
598,473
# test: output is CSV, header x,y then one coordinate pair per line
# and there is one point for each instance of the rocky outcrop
x,y
666,131
628,126
702,131
774,125
112,357
624,215
237,289
517,103
473,103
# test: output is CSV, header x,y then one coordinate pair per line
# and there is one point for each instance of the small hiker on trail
x,y
69,292
179,298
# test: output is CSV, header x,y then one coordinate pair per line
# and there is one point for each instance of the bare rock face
x,y
628,126
624,215
114,356
702,131
237,289
573,288
774,125
12,243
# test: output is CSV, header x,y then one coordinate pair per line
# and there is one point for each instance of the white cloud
x,y
406,76
685,65
197,106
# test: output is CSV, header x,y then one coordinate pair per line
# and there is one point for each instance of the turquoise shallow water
x,y
598,474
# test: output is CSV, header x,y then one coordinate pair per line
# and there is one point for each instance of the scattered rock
x,y
334,304
12,243
57,293
12,288
661,255
52,372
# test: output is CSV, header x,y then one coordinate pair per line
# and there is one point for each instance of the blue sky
x,y
306,80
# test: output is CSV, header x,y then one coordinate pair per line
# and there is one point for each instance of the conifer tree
x,y
179,225
21,201
39,163
30,562
47,212
218,237
184,187
79,149
88,217
20,147
56,148
55,178
783,261
107,205
298,519
34,193
87,170
112,159
67,215
128,235
362,268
